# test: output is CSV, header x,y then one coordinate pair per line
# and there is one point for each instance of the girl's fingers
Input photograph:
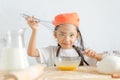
x,y
31,19
93,54
87,51
90,52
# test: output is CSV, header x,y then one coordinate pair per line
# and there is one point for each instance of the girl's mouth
x,y
66,44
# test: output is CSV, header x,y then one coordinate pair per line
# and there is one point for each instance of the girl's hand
x,y
32,23
90,53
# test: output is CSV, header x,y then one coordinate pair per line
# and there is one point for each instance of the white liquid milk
x,y
13,59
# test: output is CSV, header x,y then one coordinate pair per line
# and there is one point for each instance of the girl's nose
x,y
67,38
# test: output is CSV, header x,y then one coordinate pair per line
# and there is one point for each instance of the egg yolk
x,y
67,68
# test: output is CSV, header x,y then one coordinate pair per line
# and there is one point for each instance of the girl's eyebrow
x,y
62,32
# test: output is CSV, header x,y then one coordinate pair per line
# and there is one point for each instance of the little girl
x,y
67,33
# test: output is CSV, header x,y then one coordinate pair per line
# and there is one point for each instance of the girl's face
x,y
66,35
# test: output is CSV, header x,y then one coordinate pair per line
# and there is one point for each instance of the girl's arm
x,y
32,51
91,53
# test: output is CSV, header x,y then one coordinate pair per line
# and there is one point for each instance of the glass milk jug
x,y
14,55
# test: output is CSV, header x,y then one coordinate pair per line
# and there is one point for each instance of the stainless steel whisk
x,y
43,22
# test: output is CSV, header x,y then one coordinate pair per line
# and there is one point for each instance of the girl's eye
x,y
61,34
71,35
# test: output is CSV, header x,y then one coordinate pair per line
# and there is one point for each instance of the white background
x,y
99,25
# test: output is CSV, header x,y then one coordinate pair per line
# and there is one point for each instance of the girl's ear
x,y
55,34
78,34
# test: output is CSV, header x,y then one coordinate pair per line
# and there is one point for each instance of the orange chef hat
x,y
67,18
